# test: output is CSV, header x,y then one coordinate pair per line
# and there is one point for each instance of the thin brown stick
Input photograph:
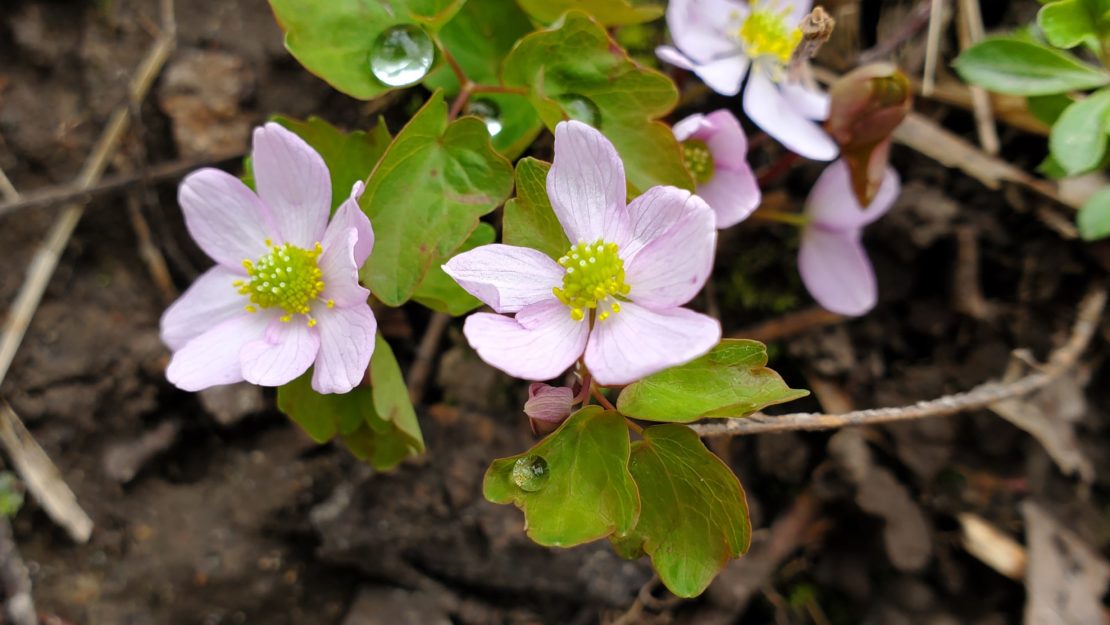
x,y
50,251
914,22
42,478
932,47
425,354
970,32
789,325
1060,362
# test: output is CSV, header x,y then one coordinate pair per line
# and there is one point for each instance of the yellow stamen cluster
x,y
699,160
594,279
765,33
287,278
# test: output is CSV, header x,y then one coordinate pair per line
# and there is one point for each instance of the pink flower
x,y
833,264
616,295
548,406
716,152
720,40
284,294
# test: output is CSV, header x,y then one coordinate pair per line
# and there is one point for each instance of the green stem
x,y
793,219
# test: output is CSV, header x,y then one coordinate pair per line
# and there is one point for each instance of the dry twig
x,y
1060,362
970,32
422,365
932,46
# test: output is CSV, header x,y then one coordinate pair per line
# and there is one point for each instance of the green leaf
x,y
378,424
584,493
480,36
1078,139
350,156
439,292
529,220
1068,23
694,514
575,61
1048,108
334,39
426,196
1026,68
1094,218
732,380
607,12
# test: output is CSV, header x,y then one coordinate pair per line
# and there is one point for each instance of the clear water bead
x,y
402,55
489,113
530,473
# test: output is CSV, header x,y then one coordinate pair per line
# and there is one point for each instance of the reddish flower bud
x,y
547,406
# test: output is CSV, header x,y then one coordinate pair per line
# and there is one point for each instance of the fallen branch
x,y
422,365
1060,362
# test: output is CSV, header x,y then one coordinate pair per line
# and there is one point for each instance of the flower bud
x,y
547,407
866,106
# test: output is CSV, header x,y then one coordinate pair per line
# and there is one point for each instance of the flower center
x,y
766,34
699,160
287,278
594,279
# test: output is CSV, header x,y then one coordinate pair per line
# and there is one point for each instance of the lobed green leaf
x,y
529,220
1025,67
440,292
607,12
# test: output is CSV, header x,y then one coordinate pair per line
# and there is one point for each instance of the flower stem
x,y
793,219
601,399
632,425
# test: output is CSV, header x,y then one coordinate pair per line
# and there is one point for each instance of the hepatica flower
x,y
284,294
615,296
832,261
716,152
724,40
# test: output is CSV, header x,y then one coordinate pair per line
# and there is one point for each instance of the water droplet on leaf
x,y
530,473
580,108
489,112
402,55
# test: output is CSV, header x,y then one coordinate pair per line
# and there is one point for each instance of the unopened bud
x,y
866,106
816,29
548,406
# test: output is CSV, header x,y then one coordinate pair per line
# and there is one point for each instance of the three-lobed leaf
x,y
693,515
607,12
585,491
426,195
335,39
1078,138
1024,67
574,70
732,380
529,220
440,292
1094,217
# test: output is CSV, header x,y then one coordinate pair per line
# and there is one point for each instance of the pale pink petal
x,y
704,29
293,181
726,141
212,358
586,184
505,277
696,126
766,106
209,301
549,403
724,75
654,213
836,271
346,345
225,218
283,352
811,103
798,9
541,343
833,205
733,195
637,342
672,55
671,269
347,242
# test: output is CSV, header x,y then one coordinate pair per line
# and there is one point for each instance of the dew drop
x,y
402,55
489,112
580,108
530,473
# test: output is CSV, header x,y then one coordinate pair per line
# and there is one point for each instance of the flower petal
x,y
225,218
672,55
209,301
778,117
836,271
637,342
833,205
350,215
798,10
724,75
676,261
654,213
293,181
212,358
505,277
811,103
541,343
284,351
347,242
696,126
733,195
726,141
586,184
346,345
703,29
